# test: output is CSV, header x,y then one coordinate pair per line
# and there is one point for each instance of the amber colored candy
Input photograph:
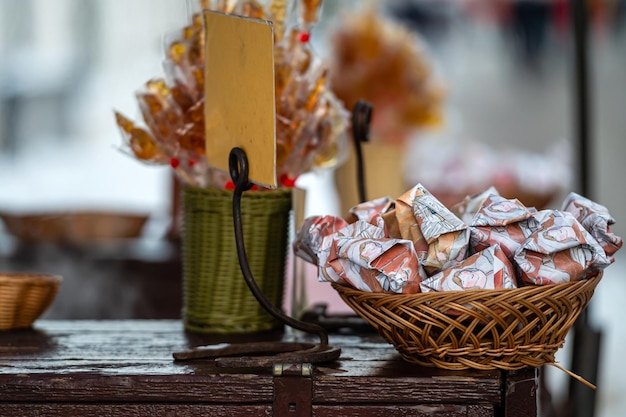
x,y
181,96
250,8
123,122
139,140
317,91
191,138
195,114
142,145
158,87
278,9
176,52
310,10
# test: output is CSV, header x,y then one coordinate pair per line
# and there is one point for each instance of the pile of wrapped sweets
x,y
415,244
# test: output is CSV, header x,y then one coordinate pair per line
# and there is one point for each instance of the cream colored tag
x,y
239,106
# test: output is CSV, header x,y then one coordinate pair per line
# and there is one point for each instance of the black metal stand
x,y
586,340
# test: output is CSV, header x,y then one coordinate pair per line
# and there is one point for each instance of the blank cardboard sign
x,y
240,108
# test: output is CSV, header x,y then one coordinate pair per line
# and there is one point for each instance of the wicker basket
x,y
24,297
481,329
75,228
216,296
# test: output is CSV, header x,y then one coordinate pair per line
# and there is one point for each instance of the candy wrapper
x,y
488,269
500,221
446,234
315,236
560,250
360,255
596,219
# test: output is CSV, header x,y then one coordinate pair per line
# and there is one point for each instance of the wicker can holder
x,y
216,296
505,329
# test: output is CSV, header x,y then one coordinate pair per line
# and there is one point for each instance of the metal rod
x,y
238,168
586,340
361,117
582,102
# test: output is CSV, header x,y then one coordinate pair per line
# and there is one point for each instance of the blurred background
x,y
506,70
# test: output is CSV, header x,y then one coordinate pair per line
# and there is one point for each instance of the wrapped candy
x,y
367,210
596,219
505,222
446,234
362,256
315,235
560,250
488,269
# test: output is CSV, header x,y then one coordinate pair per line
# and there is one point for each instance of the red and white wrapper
x,y
501,221
469,206
360,254
559,251
368,209
488,269
597,220
446,234
315,236
362,257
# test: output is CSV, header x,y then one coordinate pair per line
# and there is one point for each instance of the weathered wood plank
x,y
132,410
244,388
393,411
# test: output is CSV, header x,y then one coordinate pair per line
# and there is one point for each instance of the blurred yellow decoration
x,y
376,59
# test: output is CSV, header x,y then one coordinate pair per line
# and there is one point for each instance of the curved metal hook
x,y
238,168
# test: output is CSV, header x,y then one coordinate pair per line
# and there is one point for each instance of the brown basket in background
x,y
80,227
480,329
24,297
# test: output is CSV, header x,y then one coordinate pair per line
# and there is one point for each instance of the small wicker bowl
x,y
479,329
24,297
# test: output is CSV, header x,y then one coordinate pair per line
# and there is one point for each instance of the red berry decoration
x,y
304,37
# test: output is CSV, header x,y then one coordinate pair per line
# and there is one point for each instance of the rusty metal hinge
x,y
293,390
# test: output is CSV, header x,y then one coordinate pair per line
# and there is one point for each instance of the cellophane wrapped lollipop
x,y
376,59
311,122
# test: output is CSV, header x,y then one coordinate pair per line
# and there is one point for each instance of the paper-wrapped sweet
x,y
360,255
440,239
401,223
315,236
596,219
368,209
501,221
559,251
447,236
488,269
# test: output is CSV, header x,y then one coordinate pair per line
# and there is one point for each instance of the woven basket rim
x,y
30,278
464,293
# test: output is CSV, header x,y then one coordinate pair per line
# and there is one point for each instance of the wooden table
x,y
105,368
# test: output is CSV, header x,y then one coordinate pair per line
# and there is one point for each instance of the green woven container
x,y
216,296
